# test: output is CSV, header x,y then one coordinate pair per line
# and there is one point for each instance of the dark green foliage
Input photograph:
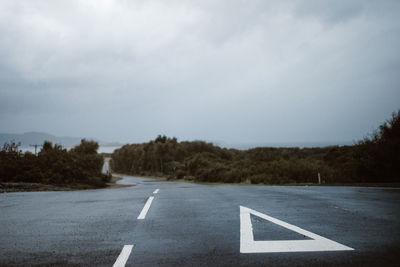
x,y
9,157
86,147
208,163
375,159
53,165
379,155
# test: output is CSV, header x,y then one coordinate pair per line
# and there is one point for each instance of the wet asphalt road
x,y
196,225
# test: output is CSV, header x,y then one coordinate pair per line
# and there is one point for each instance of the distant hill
x,y
32,138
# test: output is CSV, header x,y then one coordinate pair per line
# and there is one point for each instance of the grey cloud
x,y
236,71
330,11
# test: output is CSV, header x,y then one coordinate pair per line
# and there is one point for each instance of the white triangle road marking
x,y
249,245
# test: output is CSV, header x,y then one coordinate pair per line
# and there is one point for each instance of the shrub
x,y
53,164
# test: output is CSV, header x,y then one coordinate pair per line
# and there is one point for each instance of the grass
x,y
35,187
114,179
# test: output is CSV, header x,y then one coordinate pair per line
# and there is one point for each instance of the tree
x,y
86,147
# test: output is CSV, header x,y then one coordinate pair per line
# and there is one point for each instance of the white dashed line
x,y
156,191
124,256
145,209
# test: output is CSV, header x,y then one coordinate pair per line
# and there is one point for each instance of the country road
x,y
158,223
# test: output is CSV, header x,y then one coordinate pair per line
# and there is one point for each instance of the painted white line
x,y
248,245
145,209
123,256
156,191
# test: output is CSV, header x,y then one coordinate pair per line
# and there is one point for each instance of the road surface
x,y
158,223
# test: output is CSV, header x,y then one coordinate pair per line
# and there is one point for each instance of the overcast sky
x,y
232,71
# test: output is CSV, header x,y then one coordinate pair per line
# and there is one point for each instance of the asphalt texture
x,y
196,225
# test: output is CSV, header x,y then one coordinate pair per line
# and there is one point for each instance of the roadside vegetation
x,y
376,159
78,168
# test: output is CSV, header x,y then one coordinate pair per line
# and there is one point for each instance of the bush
x,y
180,174
53,165
375,159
